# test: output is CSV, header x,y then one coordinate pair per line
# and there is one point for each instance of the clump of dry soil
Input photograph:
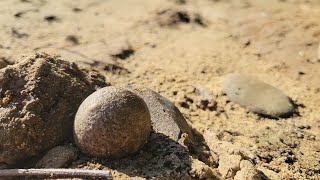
x,y
38,100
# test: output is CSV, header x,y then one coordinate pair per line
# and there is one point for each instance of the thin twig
x,y
54,173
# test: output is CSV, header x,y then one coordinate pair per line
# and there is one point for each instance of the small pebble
x,y
312,137
257,96
300,135
112,123
58,157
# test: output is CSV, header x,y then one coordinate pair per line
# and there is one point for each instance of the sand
x,y
173,46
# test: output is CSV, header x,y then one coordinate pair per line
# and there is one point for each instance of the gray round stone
x,y
257,96
165,116
112,123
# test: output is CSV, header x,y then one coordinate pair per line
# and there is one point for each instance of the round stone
x,y
257,96
112,123
165,116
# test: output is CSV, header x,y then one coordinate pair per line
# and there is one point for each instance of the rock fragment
x,y
165,116
269,173
247,172
112,123
58,157
229,165
202,171
207,99
257,96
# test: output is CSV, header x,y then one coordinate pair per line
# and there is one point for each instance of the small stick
x,y
105,174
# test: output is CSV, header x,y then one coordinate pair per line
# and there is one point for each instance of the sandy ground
x,y
175,46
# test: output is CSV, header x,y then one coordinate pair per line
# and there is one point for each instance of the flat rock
x,y
165,116
58,157
257,96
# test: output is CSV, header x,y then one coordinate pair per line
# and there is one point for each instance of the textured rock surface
x,y
257,96
112,122
229,165
202,171
231,158
247,172
58,157
38,100
161,157
165,116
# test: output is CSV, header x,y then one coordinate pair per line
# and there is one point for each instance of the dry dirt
x,y
180,48
39,99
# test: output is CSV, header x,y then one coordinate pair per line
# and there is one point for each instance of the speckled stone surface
x,y
112,123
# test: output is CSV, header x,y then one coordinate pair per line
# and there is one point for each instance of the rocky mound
x,y
38,101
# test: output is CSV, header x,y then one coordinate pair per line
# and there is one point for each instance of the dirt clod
x,y
174,17
51,18
40,97
124,54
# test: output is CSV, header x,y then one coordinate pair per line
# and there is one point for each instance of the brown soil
x,y
38,100
180,48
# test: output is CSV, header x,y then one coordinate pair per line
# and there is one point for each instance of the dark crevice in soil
x,y
183,17
51,18
109,67
124,54
172,18
73,39
199,20
116,69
